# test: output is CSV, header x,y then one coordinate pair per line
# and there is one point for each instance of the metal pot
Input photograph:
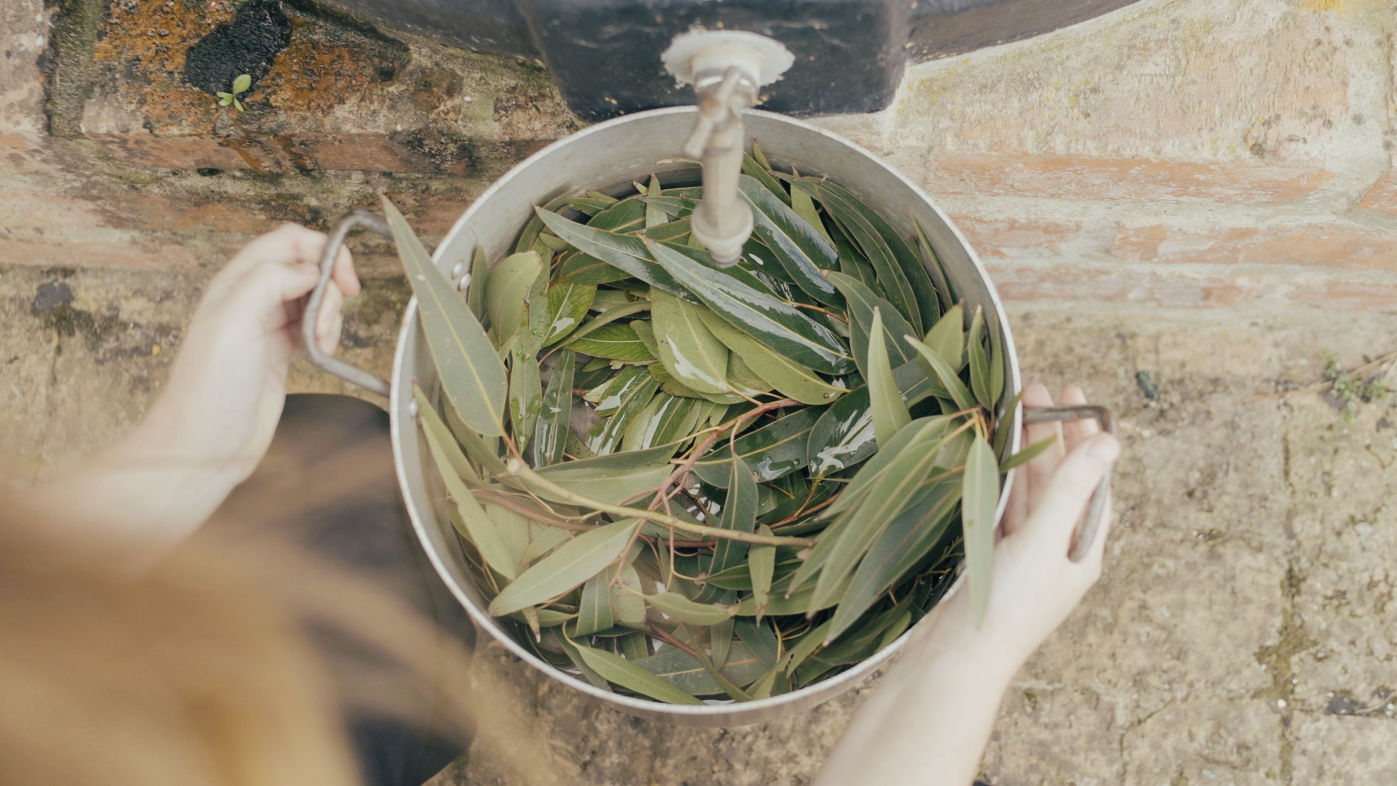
x,y
615,153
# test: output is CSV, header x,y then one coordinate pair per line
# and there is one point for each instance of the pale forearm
x,y
928,721
138,498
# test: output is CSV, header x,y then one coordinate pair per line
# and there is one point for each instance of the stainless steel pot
x,y
614,154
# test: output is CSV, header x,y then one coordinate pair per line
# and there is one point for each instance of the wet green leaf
x,y
654,213
908,538
1026,455
944,291
242,83
938,368
789,378
739,513
613,486
947,338
605,436
567,307
666,420
483,452
616,341
925,299
889,411
761,563
627,599
761,173
594,614
632,677
505,300
687,673
980,497
578,268
624,252
979,363
525,395
471,372
689,352
782,327
771,451
854,219
681,609
862,303
887,497
804,207
480,276
441,435
555,413
479,529
609,316
571,649
566,568
801,251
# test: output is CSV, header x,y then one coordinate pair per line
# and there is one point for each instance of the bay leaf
x,y
567,307
889,411
689,352
505,300
617,341
565,568
472,375
800,249
789,378
783,327
980,497
632,677
555,413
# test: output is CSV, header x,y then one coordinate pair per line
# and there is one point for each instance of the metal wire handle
x,y
350,221
1085,533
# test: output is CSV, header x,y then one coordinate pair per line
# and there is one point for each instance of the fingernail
x,y
1104,449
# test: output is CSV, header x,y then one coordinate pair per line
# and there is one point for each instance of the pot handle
x,y
1085,533
350,221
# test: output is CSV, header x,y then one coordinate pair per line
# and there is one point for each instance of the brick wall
x,y
1178,154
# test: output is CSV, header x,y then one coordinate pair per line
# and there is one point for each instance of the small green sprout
x,y
240,85
1349,387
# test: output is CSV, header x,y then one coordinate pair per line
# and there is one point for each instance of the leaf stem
x,y
518,469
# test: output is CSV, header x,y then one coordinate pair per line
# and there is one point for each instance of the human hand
x,y
929,720
227,386
1035,585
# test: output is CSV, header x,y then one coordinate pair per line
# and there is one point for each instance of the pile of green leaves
x,y
686,481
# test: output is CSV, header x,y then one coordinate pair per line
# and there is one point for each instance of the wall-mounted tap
x,y
726,70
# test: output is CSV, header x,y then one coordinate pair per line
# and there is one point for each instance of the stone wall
x,y
1176,154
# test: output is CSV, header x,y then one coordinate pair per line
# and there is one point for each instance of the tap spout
x,y
722,222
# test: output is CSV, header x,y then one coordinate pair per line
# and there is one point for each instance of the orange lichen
x,y
315,76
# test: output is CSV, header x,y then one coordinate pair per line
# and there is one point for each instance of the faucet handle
x,y
716,108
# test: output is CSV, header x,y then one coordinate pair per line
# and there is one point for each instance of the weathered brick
x,y
1348,295
365,152
1063,283
1383,194
998,237
34,208
118,250
185,152
1330,244
1087,177
1191,80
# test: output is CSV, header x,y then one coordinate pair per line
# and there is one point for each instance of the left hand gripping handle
x,y
354,219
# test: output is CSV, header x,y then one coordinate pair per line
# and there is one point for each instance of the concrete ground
x,y
1244,631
